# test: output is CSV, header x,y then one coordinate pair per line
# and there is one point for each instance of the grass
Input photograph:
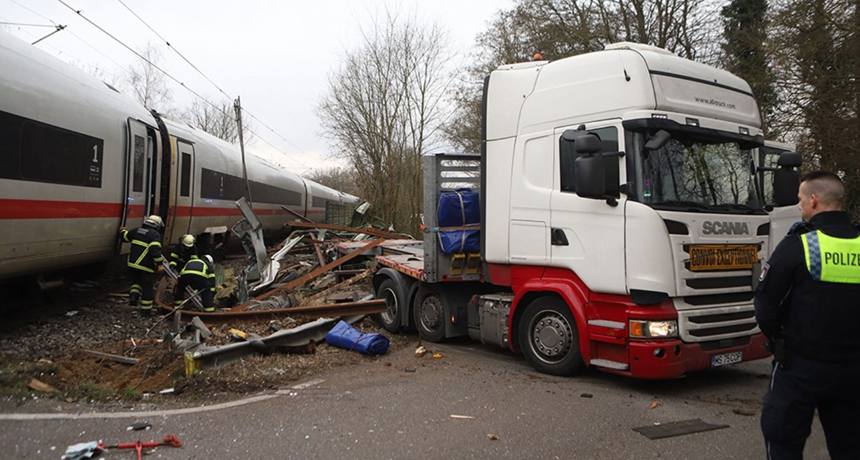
x,y
91,392
15,377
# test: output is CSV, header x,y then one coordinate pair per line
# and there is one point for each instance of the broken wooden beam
x,y
340,228
313,274
117,358
39,385
347,282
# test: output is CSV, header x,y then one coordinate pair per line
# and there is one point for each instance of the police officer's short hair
x,y
826,185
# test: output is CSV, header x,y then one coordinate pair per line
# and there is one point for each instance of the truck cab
x,y
625,216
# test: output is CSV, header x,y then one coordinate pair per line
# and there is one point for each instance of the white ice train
x,y
78,160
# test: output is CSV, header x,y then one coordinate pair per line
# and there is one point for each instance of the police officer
x,y
200,275
144,261
808,304
182,252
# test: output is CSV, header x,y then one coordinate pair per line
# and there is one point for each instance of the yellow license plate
x,y
723,257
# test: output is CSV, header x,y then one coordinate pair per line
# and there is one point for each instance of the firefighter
x,y
807,304
182,252
200,275
144,262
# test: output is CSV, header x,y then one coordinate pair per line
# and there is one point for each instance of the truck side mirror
x,y
587,144
590,176
786,179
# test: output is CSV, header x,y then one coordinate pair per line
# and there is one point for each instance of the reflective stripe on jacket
x,y
197,267
145,252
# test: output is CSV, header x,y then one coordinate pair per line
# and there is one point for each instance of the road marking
x,y
155,413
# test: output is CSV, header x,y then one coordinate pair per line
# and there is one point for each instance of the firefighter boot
x,y
133,298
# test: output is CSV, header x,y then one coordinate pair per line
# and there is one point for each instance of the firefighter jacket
x,y
199,268
809,290
145,253
181,255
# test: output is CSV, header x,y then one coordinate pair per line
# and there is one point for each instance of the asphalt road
x,y
475,402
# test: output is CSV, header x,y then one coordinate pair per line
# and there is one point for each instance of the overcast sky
x,y
276,55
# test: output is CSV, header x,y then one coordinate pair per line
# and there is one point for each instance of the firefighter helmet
x,y
154,221
209,259
188,241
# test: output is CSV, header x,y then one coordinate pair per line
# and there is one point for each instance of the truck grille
x,y
717,323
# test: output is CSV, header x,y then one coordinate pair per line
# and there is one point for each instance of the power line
x,y
219,89
26,25
174,49
275,132
78,12
69,32
37,14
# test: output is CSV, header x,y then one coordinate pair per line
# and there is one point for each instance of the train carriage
x,y
78,160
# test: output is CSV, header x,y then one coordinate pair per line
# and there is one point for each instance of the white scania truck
x,y
616,217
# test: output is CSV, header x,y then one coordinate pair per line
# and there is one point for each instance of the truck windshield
x,y
695,175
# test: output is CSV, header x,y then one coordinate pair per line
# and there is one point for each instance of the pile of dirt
x,y
53,345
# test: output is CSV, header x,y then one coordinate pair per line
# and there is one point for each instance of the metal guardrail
x,y
211,357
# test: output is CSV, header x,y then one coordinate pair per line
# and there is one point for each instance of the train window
x,y
185,181
219,186
319,202
139,164
39,152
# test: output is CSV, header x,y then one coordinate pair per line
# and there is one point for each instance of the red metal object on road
x,y
139,445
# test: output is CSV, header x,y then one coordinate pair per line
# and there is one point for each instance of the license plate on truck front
x,y
728,358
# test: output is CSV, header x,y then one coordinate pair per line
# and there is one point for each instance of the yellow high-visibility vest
x,y
830,259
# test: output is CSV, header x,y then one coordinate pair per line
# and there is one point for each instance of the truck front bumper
x,y
674,358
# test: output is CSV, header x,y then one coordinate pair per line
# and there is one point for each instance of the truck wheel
x,y
430,316
390,319
549,339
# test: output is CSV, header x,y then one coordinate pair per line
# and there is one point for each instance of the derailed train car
x,y
78,160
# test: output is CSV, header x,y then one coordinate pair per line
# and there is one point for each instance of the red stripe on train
x,y
44,209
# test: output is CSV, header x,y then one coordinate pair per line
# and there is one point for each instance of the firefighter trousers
x,y
199,284
142,286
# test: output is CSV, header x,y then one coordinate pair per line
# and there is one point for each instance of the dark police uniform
x,y
198,274
144,257
808,301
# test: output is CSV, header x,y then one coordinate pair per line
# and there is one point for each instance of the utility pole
x,y
237,106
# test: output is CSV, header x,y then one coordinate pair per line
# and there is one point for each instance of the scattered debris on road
x,y
665,430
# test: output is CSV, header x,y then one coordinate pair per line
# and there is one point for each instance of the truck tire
x,y
549,339
430,315
391,319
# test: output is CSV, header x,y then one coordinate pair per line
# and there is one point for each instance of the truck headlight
x,y
643,329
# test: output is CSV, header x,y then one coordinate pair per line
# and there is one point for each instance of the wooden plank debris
x,y
39,385
343,284
340,228
117,358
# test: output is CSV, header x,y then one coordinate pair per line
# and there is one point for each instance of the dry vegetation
x,y
51,345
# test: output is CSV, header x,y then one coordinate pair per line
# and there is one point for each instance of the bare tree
x,y
342,179
111,79
217,119
384,109
147,83
745,47
815,48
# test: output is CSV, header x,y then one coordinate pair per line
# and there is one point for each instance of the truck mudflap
x,y
674,358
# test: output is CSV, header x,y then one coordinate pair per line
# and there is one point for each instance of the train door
x,y
140,161
183,208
